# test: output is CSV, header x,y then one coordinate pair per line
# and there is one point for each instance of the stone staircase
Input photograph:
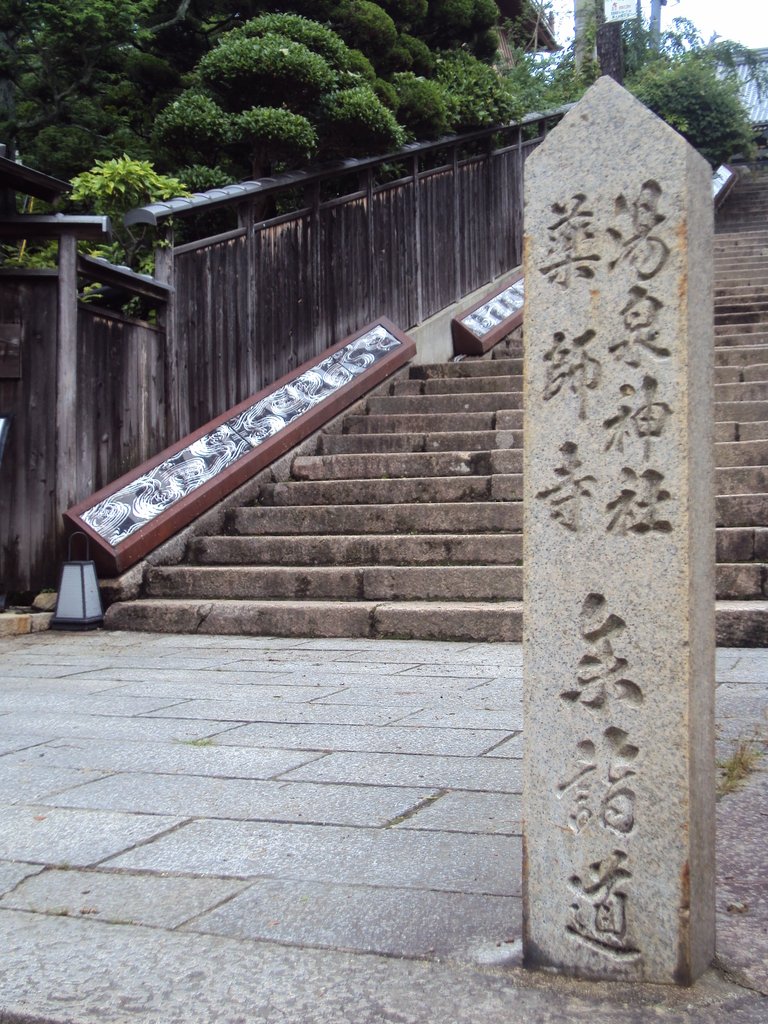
x,y
406,519
741,360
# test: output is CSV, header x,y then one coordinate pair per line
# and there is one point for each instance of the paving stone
x,y
30,782
353,856
108,727
118,704
165,758
742,700
11,873
245,799
510,748
248,711
57,967
9,744
394,739
119,898
40,835
365,919
480,774
458,714
283,691
492,813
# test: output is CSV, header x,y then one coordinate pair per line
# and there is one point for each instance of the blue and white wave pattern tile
x,y
116,517
483,319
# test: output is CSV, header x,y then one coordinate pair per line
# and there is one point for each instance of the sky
x,y
744,21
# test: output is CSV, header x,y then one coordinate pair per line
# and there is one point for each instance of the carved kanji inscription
x,y
598,911
598,785
636,239
637,507
571,249
602,675
570,363
566,498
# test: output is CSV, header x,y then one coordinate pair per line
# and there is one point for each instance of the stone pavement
x,y
237,830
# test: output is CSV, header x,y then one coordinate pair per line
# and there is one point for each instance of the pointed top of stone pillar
x,y
610,127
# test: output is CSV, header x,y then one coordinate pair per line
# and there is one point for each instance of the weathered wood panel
x,y
119,400
29,519
121,396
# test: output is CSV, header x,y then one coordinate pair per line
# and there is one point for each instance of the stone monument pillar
x,y
619,548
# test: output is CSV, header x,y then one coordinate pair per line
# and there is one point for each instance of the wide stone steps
x,y
365,549
437,517
397,465
406,519
343,583
468,621
424,441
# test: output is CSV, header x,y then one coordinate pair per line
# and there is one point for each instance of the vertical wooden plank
x,y
66,374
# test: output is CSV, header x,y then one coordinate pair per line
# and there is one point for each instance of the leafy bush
x,y
357,122
194,123
242,68
366,26
476,95
274,134
690,96
406,13
316,37
422,106
111,188
412,54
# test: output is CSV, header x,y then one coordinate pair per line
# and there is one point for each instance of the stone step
x,y
457,385
396,465
741,510
756,431
470,402
745,307
742,480
742,544
428,620
740,341
432,517
741,374
741,453
359,549
405,491
467,368
750,391
437,441
365,583
741,356
742,412
740,327
741,623
742,581
416,422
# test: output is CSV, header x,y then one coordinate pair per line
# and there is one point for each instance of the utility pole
x,y
656,6
584,18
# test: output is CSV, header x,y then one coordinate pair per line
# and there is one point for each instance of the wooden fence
x,y
119,409
244,308
404,249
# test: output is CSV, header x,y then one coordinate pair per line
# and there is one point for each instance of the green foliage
x,y
704,107
422,106
275,134
406,13
411,54
316,37
194,123
111,188
359,123
470,21
476,95
367,27
246,69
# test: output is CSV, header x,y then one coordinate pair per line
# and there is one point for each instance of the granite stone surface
x,y
619,558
